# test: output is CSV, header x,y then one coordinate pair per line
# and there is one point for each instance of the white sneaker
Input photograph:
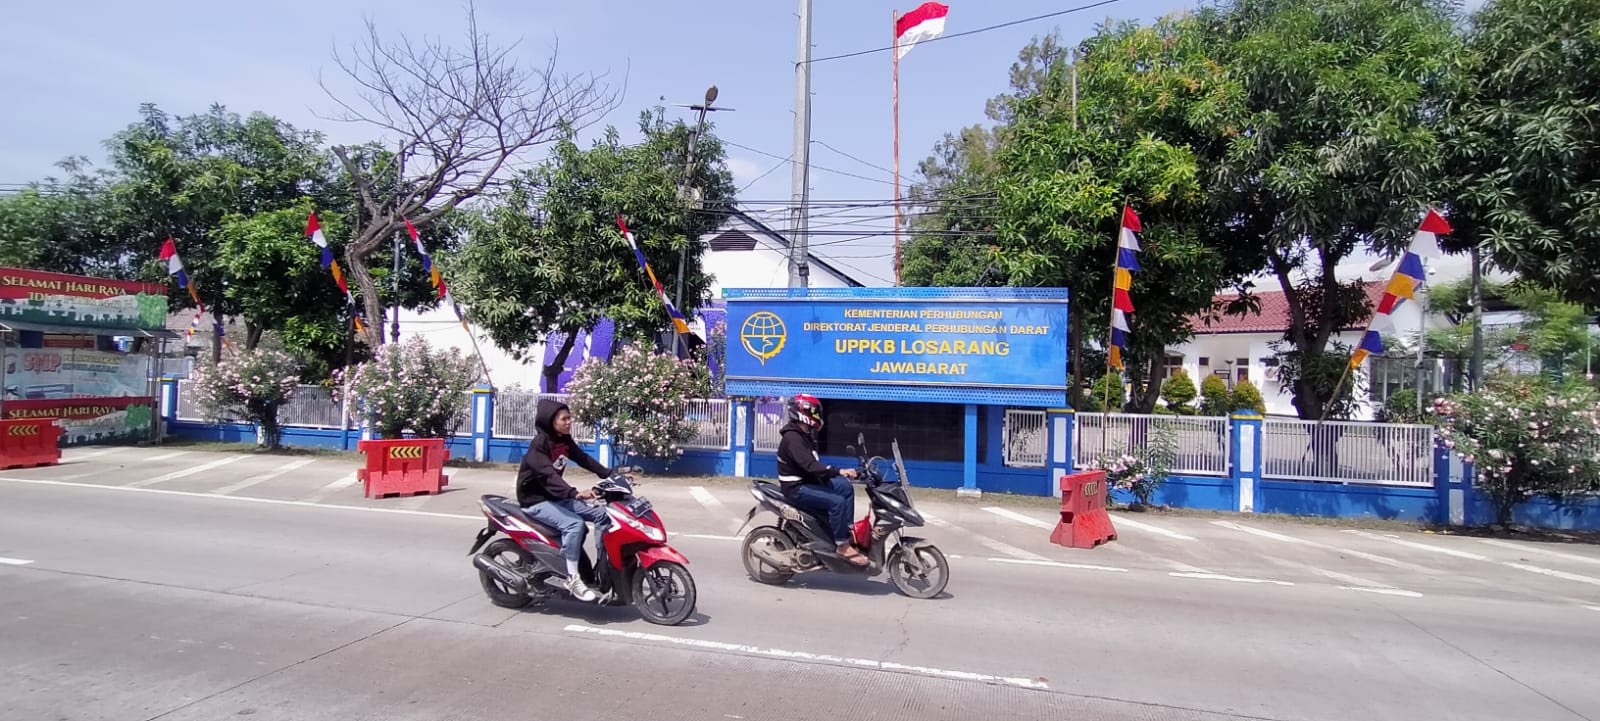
x,y
580,590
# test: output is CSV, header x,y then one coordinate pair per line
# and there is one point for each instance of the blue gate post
x,y
969,456
744,431
482,421
1060,425
602,448
1453,480
1246,452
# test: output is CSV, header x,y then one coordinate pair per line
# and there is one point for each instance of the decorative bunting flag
x,y
314,231
679,323
169,253
1409,275
1122,282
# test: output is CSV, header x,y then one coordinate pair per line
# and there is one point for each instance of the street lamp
x,y
686,190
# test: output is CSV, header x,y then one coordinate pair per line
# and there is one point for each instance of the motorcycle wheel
x,y
655,588
905,577
758,568
497,592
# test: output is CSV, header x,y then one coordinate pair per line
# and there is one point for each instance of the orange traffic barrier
x,y
30,442
403,466
1084,522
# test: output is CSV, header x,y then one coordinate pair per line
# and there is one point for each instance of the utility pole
x,y
1475,368
400,181
800,178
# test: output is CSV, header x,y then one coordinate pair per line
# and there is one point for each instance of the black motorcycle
x,y
800,542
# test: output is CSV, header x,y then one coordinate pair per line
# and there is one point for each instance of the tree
x,y
1214,397
69,226
1147,98
951,214
547,260
461,114
1336,152
1523,134
1246,397
1179,391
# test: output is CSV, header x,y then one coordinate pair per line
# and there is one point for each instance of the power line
x,y
1045,16
782,163
814,166
852,157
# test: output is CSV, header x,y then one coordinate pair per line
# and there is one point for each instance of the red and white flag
x,y
924,23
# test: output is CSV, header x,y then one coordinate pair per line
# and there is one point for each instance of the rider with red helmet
x,y
809,483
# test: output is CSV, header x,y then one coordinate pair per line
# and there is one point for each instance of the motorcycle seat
x,y
772,491
503,507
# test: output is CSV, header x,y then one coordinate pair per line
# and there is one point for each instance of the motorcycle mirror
x,y
850,450
861,438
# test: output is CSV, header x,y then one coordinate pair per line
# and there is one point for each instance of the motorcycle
x,y
801,542
636,566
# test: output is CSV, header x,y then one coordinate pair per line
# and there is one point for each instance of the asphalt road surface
x,y
138,584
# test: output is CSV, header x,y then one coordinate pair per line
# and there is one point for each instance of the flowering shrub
x,y
411,387
637,400
1142,474
251,385
1524,439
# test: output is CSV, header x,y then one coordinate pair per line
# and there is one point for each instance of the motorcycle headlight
x,y
649,531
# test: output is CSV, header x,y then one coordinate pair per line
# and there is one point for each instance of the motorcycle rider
x,y
810,484
547,497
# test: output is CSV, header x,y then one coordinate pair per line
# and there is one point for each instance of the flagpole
x,y
894,29
1116,256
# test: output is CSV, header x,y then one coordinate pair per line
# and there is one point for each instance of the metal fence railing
x,y
1200,442
309,407
711,425
516,416
1025,438
1388,454
769,427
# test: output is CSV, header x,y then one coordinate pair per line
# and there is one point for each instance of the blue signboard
x,y
952,345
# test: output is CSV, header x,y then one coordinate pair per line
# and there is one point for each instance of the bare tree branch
x,y
462,116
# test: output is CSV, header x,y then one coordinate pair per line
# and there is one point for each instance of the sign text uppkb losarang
x,y
964,345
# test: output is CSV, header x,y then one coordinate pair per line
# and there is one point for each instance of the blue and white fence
x,y
1243,463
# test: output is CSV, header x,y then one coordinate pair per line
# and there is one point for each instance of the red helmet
x,y
807,409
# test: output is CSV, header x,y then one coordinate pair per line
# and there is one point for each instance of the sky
x,y
83,68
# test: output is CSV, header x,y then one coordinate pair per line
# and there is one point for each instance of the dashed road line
x,y
1234,579
1123,520
1383,591
183,472
167,456
240,499
713,504
1004,549
14,561
804,657
1375,558
1419,546
264,477
1059,564
332,488
1019,518
1541,551
91,454
1563,575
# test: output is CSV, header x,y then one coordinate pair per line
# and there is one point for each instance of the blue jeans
x,y
835,501
567,517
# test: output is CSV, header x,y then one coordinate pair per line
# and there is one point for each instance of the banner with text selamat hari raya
x,y
995,343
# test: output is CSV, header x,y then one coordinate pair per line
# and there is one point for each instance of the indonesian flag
x,y
924,23
169,253
314,230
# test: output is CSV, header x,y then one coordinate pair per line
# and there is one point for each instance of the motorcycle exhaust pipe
x,y
777,559
510,578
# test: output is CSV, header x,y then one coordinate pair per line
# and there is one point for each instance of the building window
x,y
926,431
1241,369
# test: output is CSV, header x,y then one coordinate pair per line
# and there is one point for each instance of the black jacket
x,y
797,459
539,477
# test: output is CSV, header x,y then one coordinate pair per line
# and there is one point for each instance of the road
x,y
133,586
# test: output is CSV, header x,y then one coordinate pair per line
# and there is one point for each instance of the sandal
x,y
854,556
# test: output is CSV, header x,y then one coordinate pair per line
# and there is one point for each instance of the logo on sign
x,y
762,335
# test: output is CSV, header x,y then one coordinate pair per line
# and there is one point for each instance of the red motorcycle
x,y
636,565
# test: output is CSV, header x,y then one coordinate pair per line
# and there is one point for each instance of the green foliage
x,y
1526,438
411,387
1214,397
1524,141
1246,396
249,384
637,399
547,258
1178,391
1108,386
1401,407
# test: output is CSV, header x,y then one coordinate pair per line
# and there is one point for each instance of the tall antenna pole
x,y
800,178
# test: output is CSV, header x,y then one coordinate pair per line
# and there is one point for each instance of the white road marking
x,y
707,536
1004,549
804,657
91,454
1543,551
14,562
1557,574
1123,520
334,487
1382,591
1220,577
264,477
191,470
1058,564
1121,549
1375,558
1335,575
243,499
1419,546
415,502
1593,608
76,476
1019,518
166,456
714,505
